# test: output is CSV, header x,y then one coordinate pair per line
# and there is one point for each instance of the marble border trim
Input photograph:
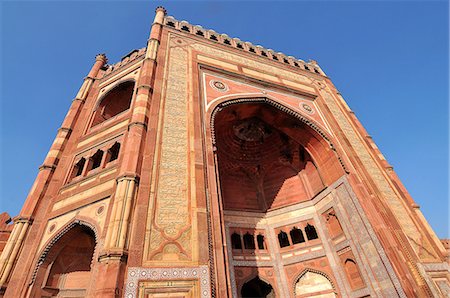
x,y
436,267
369,229
137,274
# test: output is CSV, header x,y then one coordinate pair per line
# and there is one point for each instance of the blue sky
x,y
389,59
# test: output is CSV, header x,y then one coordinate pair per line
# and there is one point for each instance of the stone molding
x,y
128,176
137,123
47,167
145,86
79,99
65,129
22,219
436,267
113,255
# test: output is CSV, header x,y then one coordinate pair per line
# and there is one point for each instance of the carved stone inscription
x,y
170,234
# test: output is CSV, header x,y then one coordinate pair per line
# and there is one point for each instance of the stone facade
x,y
204,166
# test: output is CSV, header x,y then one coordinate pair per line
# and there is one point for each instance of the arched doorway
x,y
268,158
256,288
66,269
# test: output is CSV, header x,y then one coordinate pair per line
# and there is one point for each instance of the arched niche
x,y
313,284
257,288
116,101
64,268
268,158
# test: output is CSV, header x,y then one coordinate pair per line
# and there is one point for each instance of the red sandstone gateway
x,y
204,166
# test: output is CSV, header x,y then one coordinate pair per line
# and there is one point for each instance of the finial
x,y
161,8
101,57
160,13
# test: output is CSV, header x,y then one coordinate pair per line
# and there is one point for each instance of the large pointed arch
x,y
79,236
300,130
279,126
233,100
115,101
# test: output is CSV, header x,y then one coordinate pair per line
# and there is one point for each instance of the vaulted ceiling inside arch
x,y
263,163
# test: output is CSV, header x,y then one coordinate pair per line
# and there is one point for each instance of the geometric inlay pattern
x,y
137,274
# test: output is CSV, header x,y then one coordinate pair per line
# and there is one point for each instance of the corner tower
x,y
205,166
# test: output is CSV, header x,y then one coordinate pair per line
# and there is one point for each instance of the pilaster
x,y
9,253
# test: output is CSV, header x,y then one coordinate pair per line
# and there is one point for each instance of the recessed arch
x,y
273,102
264,150
219,104
313,283
250,122
65,262
256,286
116,101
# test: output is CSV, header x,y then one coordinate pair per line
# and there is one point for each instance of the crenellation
x,y
210,34
126,60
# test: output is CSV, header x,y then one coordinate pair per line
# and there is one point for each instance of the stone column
x,y
12,247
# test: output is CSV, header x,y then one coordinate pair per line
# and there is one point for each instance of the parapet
x,y
236,43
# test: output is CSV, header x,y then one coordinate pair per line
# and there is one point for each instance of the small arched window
x,y
297,235
115,102
249,242
96,160
283,239
236,241
354,276
78,168
260,240
113,152
311,232
333,225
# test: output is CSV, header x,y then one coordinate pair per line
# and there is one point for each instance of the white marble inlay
x,y
136,274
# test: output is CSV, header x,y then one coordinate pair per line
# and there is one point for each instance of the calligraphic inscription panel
x,y
170,234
